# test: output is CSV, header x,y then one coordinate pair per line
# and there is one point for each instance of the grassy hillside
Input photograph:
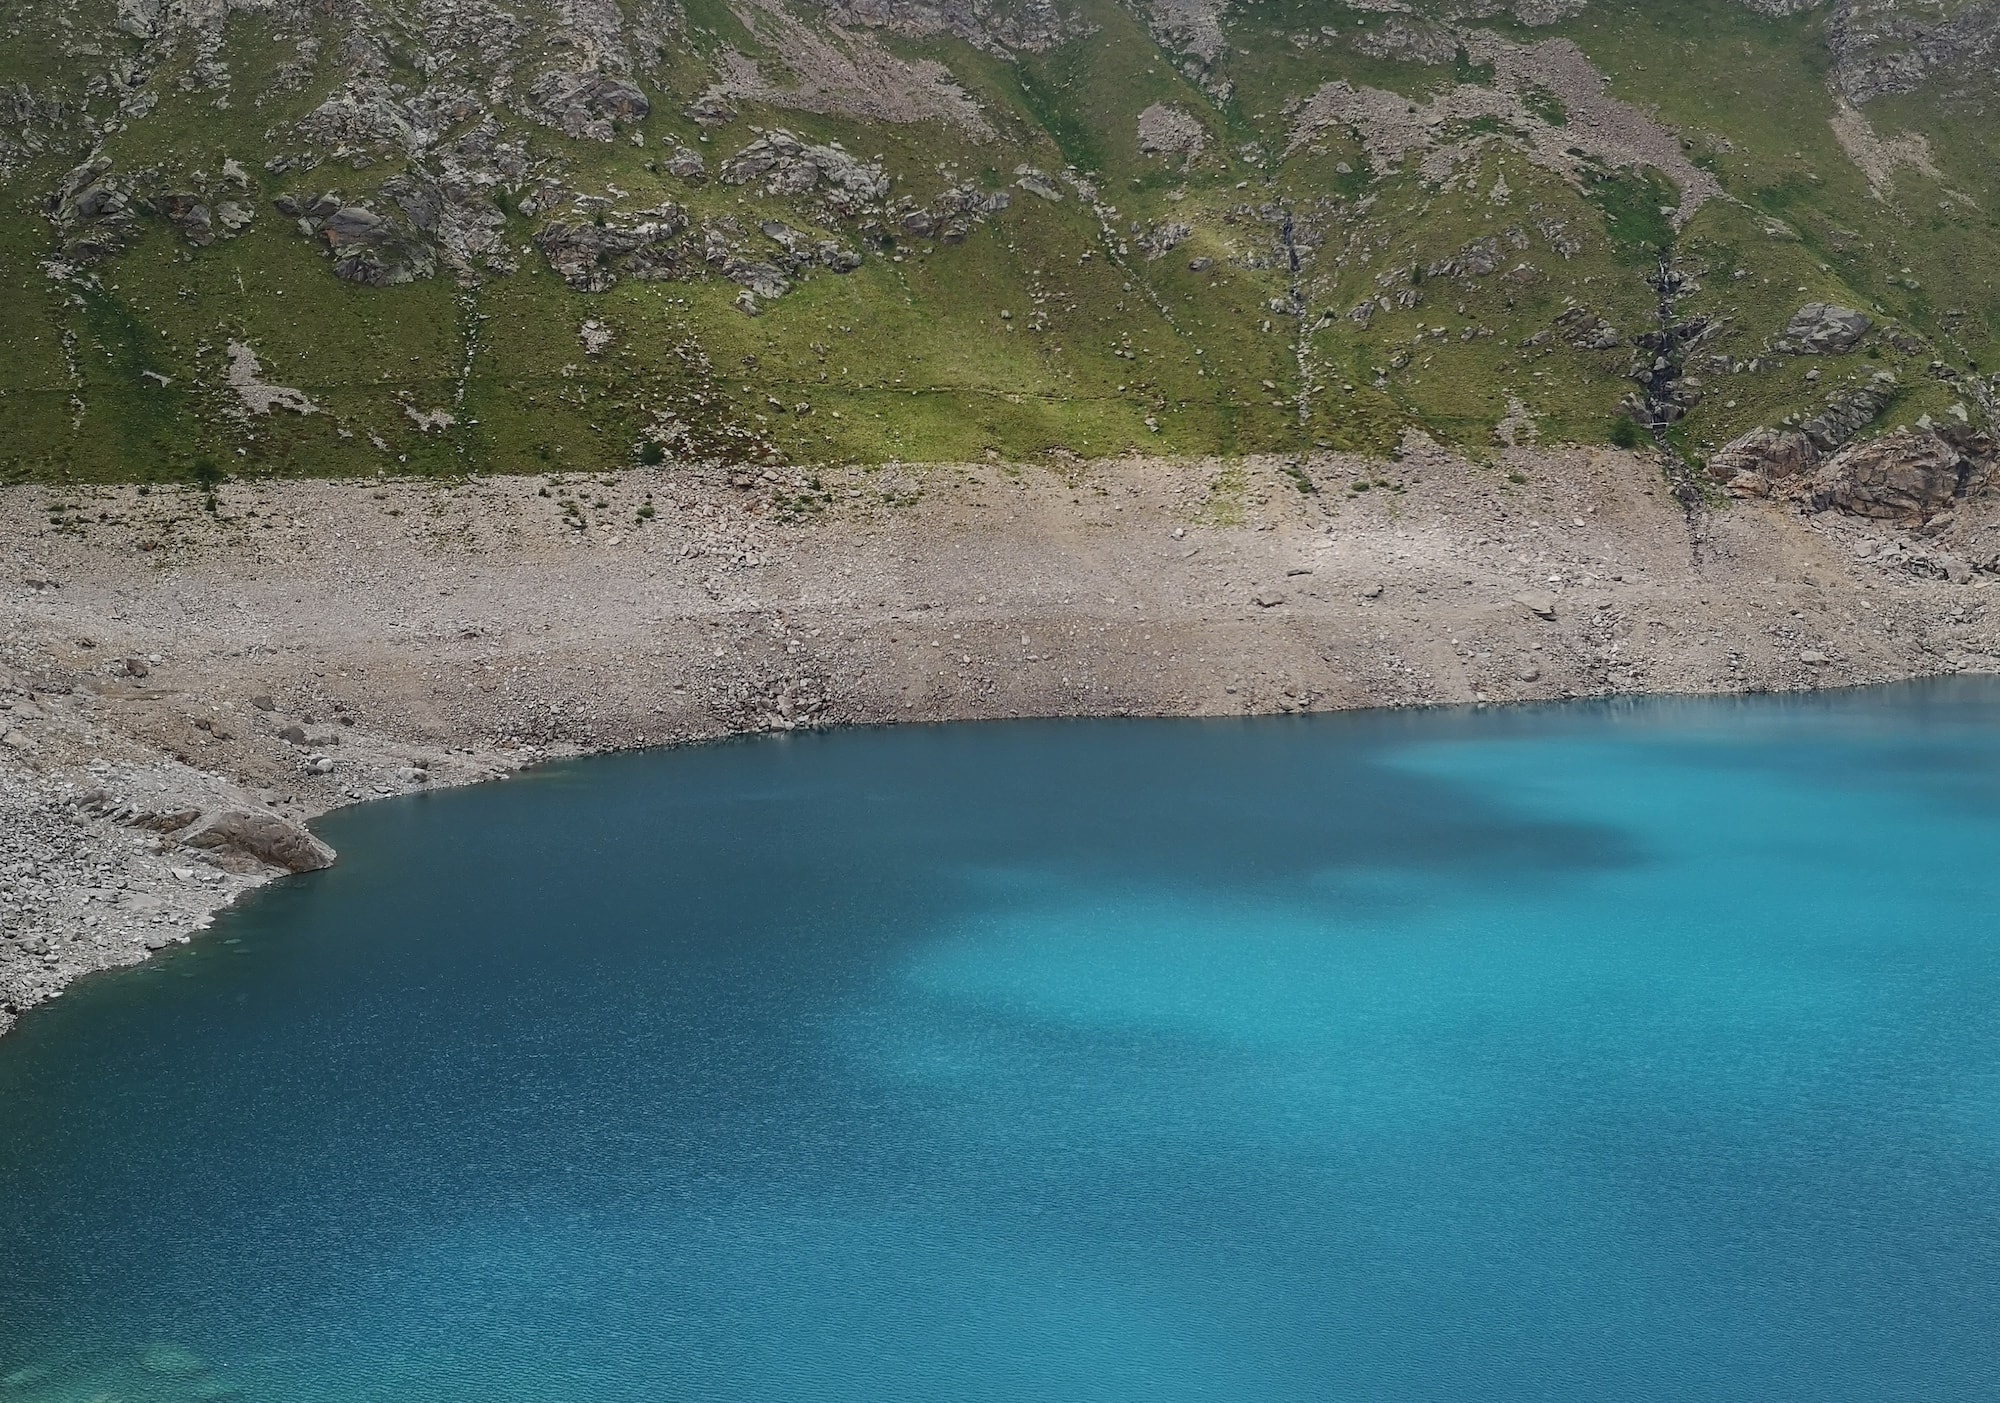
x,y
1332,226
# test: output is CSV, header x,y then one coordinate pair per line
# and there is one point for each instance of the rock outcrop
x,y
239,840
784,165
1822,329
1751,465
1884,47
1848,412
373,249
588,106
1909,476
591,254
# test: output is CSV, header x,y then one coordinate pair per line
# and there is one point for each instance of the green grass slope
x,y
1471,255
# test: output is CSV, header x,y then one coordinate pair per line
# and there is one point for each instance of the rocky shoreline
x,y
186,681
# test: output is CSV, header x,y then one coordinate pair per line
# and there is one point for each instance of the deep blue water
x,y
1647,1051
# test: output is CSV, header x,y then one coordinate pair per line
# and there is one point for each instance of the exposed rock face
x,y
1409,39
1751,464
363,114
1599,128
686,164
366,247
1584,329
588,106
1754,464
1038,183
1163,239
839,72
91,210
1882,47
1822,329
784,165
1033,27
239,840
1478,259
1848,413
454,209
1911,476
591,256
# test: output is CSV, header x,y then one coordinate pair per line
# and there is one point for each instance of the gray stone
x,y
686,164
1848,412
1823,329
238,839
591,257
1538,602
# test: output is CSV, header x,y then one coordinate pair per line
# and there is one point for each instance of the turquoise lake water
x,y
1639,1051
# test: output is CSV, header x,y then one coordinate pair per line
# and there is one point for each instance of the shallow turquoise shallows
x,y
1631,1052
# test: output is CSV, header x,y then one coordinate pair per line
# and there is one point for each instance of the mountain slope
x,y
351,236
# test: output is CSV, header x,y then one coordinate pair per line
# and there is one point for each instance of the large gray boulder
x,y
241,840
1822,329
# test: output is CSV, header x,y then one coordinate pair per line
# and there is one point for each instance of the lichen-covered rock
x,y
1162,239
1410,40
588,106
373,250
93,212
186,212
1848,412
1035,26
1479,259
1822,329
784,165
1584,329
1038,183
452,208
591,256
686,164
1884,47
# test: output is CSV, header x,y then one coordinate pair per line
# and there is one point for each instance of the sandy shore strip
x,y
182,689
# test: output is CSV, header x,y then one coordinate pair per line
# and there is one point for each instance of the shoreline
x,y
182,691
